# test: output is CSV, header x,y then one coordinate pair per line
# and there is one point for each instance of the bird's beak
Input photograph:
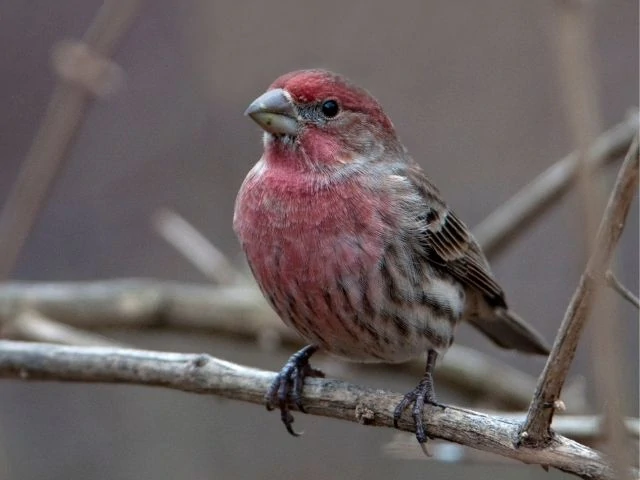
x,y
274,112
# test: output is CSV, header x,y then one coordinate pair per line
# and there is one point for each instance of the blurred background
x,y
473,90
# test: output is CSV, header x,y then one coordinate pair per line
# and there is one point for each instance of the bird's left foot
x,y
419,396
288,385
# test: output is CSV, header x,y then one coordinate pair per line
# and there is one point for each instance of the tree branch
x,y
200,373
587,429
514,215
33,326
536,428
195,247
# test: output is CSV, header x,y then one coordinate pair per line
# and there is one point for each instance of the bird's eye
x,y
330,108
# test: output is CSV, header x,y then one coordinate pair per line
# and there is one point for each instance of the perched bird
x,y
352,244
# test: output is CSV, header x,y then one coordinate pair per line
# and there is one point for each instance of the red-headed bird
x,y
352,244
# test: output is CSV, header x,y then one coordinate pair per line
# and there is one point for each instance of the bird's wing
x,y
449,245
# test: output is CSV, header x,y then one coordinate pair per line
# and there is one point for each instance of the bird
x,y
354,247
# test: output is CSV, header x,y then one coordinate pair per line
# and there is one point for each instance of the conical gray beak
x,y
274,112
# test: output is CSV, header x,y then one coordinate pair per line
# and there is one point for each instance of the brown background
x,y
472,88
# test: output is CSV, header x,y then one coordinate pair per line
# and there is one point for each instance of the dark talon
x,y
423,393
288,419
288,384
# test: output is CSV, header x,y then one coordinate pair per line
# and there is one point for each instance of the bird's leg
x,y
288,385
423,393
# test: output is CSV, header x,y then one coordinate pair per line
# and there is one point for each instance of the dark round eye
x,y
330,108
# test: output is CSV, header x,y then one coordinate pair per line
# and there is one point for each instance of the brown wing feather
x,y
451,247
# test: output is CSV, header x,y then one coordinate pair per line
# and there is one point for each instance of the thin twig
x,y
516,214
536,427
330,398
61,123
195,247
624,292
238,310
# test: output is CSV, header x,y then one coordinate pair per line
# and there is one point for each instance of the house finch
x,y
352,244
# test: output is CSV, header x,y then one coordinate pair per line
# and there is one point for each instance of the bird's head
x,y
321,119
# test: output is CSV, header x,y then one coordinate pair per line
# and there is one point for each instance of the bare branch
x,y
516,214
587,429
61,122
552,379
624,292
238,310
329,398
195,247
33,326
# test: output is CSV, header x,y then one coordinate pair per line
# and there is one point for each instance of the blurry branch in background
x,y
238,311
84,71
195,247
624,292
536,428
512,217
200,373
32,325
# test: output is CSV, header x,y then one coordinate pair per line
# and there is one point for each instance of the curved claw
x,y
425,449
287,419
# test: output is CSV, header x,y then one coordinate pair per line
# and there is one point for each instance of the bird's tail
x,y
508,330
